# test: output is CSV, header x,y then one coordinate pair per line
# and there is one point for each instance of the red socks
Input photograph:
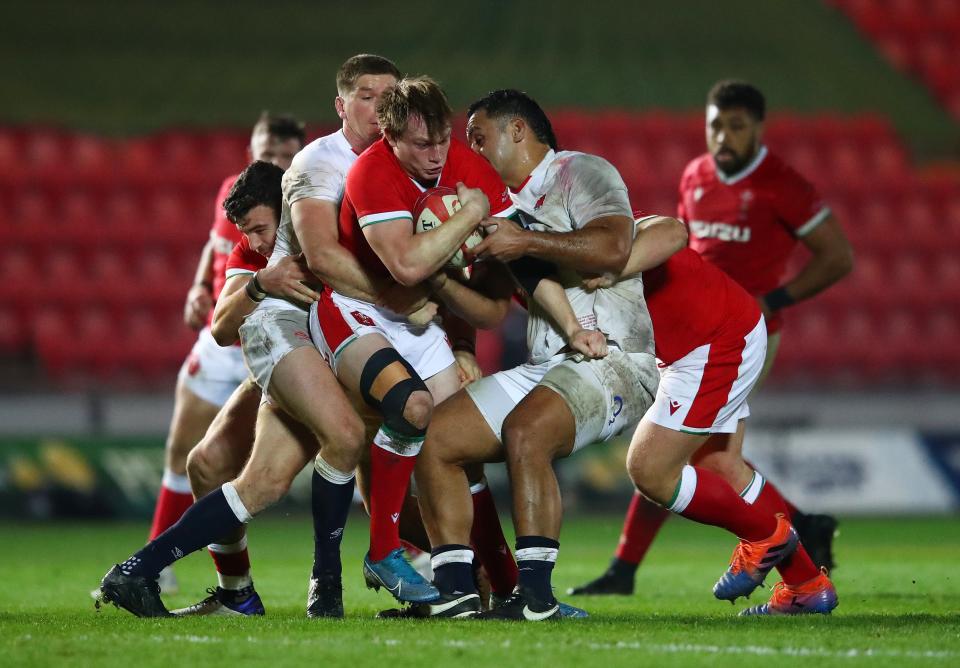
x,y
174,499
643,522
389,480
705,497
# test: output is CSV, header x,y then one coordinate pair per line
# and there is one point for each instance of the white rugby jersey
x,y
566,191
319,171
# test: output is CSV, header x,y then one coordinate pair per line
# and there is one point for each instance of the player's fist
x,y
467,368
602,281
198,306
290,278
473,198
424,315
590,343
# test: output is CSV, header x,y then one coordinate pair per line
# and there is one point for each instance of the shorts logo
x,y
674,406
536,207
617,408
300,334
363,319
193,365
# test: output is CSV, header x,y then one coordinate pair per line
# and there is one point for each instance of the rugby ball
x,y
433,209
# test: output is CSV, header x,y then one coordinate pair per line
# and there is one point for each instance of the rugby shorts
x,y
211,371
269,335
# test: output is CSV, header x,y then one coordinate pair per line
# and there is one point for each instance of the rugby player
x,y
576,221
210,373
398,369
746,211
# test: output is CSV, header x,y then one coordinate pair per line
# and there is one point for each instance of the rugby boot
x,y
753,560
567,611
448,606
816,534
397,576
133,593
325,597
816,596
523,606
225,603
611,582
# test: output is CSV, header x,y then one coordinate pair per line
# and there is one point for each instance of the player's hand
x,y
473,199
590,343
467,368
289,279
437,281
424,315
198,306
597,282
505,241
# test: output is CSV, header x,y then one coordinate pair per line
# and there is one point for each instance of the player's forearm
x,y
478,310
657,239
820,272
233,306
337,267
552,298
462,334
588,250
422,255
204,273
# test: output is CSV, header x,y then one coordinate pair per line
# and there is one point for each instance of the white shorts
x,y
706,391
336,321
606,396
211,371
269,335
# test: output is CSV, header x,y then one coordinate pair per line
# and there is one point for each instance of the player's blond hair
x,y
356,66
414,96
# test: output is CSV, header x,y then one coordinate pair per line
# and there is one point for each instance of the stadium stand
x,y
103,237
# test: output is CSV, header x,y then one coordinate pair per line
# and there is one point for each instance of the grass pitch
x,y
898,580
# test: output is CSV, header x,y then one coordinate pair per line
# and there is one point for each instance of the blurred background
x,y
120,120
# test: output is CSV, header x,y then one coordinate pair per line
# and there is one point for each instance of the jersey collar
x,y
750,168
532,186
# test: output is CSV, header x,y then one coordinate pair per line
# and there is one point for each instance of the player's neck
x,y
358,143
528,159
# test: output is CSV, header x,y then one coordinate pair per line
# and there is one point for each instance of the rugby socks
x,y
486,536
762,495
779,503
233,564
536,556
331,499
703,496
392,458
216,514
174,499
453,569
640,527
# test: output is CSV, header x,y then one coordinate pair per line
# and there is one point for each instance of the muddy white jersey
x,y
319,171
565,192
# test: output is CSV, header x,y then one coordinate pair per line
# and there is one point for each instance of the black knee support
x,y
394,401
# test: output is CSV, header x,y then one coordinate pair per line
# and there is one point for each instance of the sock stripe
x,y
176,482
329,473
538,554
229,548
464,556
683,494
752,491
478,487
391,441
236,505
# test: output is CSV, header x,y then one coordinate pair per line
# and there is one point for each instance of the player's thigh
x,y
444,384
541,424
773,346
460,434
192,416
656,456
304,386
352,361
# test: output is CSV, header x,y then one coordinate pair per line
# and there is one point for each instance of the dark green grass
x,y
899,585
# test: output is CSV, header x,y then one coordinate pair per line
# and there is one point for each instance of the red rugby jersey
x,y
225,236
379,190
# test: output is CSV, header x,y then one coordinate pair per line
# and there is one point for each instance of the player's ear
x,y
518,130
339,106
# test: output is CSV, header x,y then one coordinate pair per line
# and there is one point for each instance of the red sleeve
x,y
220,222
797,202
375,193
244,259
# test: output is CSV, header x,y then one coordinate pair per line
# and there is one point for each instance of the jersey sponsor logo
x,y
674,406
720,231
363,319
539,202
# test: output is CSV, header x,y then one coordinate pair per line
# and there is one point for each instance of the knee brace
x,y
393,402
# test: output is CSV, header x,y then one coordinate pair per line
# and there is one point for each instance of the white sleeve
x,y
595,189
319,181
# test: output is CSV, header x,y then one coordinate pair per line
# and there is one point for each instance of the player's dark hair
x,y
281,126
731,93
508,103
414,96
356,66
258,184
